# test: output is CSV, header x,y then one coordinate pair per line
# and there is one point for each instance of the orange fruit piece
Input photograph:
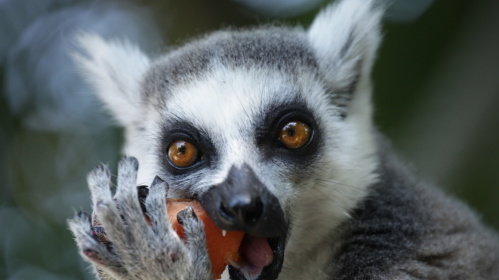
x,y
223,247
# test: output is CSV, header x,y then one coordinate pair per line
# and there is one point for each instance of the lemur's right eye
x,y
182,153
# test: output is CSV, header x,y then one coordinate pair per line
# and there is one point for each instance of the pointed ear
x,y
345,37
115,70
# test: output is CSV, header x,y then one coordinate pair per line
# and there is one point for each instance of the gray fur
x,y
407,229
351,208
280,48
137,250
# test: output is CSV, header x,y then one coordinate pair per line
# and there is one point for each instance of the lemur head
x,y
270,129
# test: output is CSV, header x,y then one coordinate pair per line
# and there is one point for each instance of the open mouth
x,y
260,258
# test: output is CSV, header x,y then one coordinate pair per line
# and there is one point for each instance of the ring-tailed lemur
x,y
271,130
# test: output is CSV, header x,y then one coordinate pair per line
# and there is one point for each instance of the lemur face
x,y
244,139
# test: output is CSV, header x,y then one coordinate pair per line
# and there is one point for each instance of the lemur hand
x,y
137,250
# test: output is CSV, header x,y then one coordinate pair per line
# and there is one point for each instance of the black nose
x,y
242,207
243,203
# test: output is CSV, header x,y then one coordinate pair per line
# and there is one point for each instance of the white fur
x,y
344,34
356,24
115,70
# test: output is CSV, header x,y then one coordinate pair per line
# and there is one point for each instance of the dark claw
x,y
159,183
179,218
186,213
83,215
102,168
91,254
99,234
157,180
143,191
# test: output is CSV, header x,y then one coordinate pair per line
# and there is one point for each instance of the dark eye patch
x,y
273,119
185,131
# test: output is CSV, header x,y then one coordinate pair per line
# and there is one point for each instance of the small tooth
x,y
234,264
347,214
224,232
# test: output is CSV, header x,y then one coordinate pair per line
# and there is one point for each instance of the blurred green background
x,y
436,96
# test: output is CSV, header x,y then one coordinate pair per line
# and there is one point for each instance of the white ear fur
x,y
115,70
345,37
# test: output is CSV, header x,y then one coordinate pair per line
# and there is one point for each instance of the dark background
x,y
436,96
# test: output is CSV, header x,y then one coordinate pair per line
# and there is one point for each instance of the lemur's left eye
x,y
182,153
295,134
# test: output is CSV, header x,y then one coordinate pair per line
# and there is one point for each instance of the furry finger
x,y
90,248
99,183
128,201
104,206
156,206
195,238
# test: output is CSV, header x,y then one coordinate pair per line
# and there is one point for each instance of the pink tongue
x,y
256,252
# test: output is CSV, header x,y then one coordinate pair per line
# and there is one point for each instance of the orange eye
x,y
295,134
182,153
